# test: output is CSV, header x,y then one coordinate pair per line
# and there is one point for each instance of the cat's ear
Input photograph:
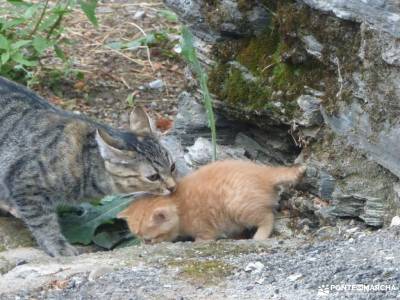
x,y
140,122
160,215
108,146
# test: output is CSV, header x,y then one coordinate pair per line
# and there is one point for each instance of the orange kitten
x,y
218,200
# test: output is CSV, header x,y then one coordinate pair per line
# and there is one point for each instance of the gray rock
x,y
395,221
201,153
292,269
157,84
313,47
310,106
140,14
382,15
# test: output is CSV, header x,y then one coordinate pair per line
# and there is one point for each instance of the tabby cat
x,y
49,156
221,199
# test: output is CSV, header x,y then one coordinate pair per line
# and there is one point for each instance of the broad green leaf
x,y
30,11
18,3
60,54
13,23
169,15
20,44
109,235
5,57
48,22
18,57
4,43
81,228
89,8
129,243
40,44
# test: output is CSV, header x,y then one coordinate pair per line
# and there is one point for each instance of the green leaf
x,y
142,41
129,243
5,57
109,235
13,23
30,11
60,54
18,57
20,44
40,44
130,100
81,227
48,22
4,43
89,8
188,51
169,15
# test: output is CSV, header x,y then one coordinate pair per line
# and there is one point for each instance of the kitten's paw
x,y
61,250
302,169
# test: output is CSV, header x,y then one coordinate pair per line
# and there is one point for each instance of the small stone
x,y
98,272
295,277
260,281
255,268
156,84
352,230
140,14
177,49
395,221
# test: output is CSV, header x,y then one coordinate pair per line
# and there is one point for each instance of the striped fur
x,y
49,156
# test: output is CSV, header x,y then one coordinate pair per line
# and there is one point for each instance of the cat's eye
x,y
173,167
153,177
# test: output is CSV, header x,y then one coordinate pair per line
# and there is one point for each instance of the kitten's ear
x,y
160,215
140,122
108,146
123,214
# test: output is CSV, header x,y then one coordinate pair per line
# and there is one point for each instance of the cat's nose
x,y
171,188
171,185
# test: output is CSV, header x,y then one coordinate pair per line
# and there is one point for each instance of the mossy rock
x,y
203,271
14,234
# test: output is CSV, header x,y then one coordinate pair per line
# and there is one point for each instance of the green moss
x,y
280,65
204,272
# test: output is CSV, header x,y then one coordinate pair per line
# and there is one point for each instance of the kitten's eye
x,y
173,167
153,177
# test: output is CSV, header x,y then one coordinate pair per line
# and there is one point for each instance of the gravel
x,y
336,263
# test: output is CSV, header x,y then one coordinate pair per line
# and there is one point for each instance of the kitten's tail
x,y
287,175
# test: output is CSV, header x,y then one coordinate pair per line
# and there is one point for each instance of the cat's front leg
x,y
43,223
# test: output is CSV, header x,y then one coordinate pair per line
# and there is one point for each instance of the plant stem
x,y
189,52
46,4
58,21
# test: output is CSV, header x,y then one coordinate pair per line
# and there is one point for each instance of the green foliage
x,y
89,8
131,100
168,15
151,39
97,223
28,29
189,53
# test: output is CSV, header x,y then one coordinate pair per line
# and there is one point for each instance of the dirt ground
x,y
105,82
